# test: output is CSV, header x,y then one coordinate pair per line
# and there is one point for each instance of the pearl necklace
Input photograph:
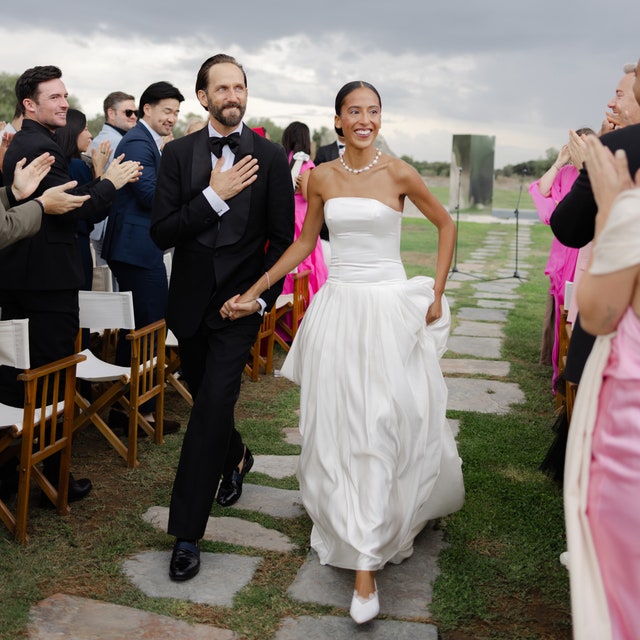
x,y
371,164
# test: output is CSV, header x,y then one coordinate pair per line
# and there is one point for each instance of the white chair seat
x,y
283,300
11,417
97,370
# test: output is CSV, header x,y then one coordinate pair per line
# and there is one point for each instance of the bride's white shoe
x,y
365,609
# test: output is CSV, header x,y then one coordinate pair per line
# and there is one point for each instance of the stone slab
x,y
483,396
229,530
221,576
498,286
466,366
484,315
75,618
292,436
335,628
478,329
496,295
279,503
276,466
495,304
405,589
478,347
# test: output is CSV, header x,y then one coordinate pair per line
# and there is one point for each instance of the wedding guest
x,y
120,115
546,193
602,477
378,457
296,141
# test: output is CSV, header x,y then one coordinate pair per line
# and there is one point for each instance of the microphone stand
x,y
454,268
516,213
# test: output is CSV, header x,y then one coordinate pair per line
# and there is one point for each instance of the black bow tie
x,y
216,144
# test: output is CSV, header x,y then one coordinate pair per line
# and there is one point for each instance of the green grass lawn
x,y
500,576
502,199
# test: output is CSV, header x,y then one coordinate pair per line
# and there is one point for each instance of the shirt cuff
x,y
216,202
263,306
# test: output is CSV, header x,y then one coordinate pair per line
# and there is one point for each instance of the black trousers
x,y
212,362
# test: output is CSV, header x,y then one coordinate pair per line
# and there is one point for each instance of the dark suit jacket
x,y
127,237
50,259
573,221
326,153
218,257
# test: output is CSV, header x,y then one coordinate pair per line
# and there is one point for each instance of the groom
x,y
224,199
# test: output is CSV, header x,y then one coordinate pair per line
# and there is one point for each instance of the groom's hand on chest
x,y
228,184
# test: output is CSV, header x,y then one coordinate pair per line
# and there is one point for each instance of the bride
x,y
378,457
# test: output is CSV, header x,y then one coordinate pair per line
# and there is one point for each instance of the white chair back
x,y
14,343
106,310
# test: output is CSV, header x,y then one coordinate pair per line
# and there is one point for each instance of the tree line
x,y
324,135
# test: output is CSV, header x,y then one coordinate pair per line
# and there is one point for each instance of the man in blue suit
x,y
133,257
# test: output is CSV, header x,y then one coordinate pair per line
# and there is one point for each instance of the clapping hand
x,y
26,179
121,173
100,157
608,174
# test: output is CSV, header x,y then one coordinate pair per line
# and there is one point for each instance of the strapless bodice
x,y
365,241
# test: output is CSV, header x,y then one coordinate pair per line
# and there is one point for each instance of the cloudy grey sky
x,y
525,73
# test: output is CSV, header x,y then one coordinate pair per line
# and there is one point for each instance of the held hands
x,y
238,307
230,183
26,179
4,143
55,200
100,157
121,173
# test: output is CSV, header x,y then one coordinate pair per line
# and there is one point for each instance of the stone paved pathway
x,y
473,370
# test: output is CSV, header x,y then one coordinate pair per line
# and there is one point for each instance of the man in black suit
x,y
41,275
573,223
329,152
226,204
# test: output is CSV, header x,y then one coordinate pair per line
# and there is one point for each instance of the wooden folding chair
x,y
142,380
173,366
34,427
261,355
295,304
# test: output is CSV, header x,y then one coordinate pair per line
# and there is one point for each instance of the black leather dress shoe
x,y
185,560
78,489
230,489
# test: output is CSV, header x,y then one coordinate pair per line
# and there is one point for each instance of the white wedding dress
x,y
378,457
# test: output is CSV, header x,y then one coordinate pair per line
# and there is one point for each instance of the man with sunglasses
x,y
120,115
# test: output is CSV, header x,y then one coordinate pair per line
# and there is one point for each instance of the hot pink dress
x,y
315,261
602,473
561,265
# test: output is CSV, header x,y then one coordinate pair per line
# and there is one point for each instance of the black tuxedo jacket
x,y
218,257
49,260
573,221
326,153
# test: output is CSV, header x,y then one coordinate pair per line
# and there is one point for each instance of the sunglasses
x,y
130,112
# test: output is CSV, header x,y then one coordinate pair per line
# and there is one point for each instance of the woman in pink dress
x,y
297,143
546,192
602,475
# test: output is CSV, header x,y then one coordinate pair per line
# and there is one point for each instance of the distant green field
x,y
502,198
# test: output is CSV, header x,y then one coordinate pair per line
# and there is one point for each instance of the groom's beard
x,y
228,119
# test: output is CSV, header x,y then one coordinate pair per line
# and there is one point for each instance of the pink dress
x,y
562,260
613,504
315,261
602,469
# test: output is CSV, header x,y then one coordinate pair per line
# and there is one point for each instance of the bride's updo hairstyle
x,y
346,90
